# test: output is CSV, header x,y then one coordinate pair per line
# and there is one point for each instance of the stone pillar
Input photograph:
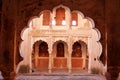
x,y
8,42
70,63
29,52
69,56
89,53
50,55
50,63
36,54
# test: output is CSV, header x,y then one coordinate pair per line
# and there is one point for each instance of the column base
x,y
49,71
69,70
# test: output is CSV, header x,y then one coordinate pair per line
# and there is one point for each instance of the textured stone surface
x,y
15,15
93,9
61,76
112,22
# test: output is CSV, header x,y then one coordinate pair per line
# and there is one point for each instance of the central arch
x,y
60,50
60,55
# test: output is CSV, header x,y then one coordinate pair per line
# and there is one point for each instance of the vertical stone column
x,y
50,55
84,57
84,62
36,54
29,52
8,40
50,63
89,52
70,63
69,56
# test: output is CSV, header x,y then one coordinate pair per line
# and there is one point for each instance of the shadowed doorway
x,y
40,56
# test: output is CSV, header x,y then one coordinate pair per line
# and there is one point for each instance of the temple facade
x,y
61,40
64,35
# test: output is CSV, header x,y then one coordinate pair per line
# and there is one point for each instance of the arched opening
x,y
60,16
60,50
43,49
60,55
74,19
46,18
79,55
77,52
40,56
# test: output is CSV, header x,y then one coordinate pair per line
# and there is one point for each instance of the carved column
x,y
50,63
85,40
36,54
50,55
70,63
69,56
89,53
29,52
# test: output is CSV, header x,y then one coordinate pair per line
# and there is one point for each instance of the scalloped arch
x,y
95,44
